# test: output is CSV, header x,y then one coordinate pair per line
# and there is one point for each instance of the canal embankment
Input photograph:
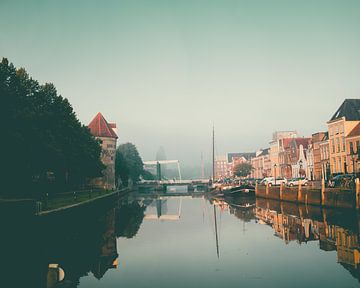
x,y
74,202
324,196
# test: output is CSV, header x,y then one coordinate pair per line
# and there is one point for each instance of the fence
x,y
329,197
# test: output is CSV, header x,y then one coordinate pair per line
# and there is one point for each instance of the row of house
x,y
224,165
323,154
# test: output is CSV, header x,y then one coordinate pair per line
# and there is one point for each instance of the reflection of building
x,y
105,132
108,255
302,229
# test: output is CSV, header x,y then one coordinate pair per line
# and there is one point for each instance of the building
x,y
325,156
106,133
234,159
274,149
261,164
314,156
353,149
339,126
291,155
222,169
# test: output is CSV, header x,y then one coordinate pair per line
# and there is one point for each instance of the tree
x,y
243,169
44,140
128,163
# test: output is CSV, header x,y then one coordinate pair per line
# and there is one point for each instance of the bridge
x,y
175,186
158,164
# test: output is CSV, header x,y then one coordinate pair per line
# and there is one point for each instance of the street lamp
x,y
300,166
275,172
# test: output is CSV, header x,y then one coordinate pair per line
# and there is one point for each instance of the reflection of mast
x,y
216,234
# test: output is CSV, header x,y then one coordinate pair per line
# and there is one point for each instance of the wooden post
x,y
323,192
357,191
299,192
281,190
267,190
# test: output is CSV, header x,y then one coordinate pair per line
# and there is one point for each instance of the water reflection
x,y
88,246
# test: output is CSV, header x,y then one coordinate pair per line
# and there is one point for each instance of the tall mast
x,y
213,153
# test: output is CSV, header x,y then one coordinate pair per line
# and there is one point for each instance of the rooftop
x,y
350,109
99,127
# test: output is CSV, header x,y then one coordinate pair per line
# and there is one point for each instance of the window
x,y
338,145
343,144
351,148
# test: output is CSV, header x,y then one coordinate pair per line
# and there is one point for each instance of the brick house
x,y
106,133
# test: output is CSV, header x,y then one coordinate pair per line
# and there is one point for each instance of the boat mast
x,y
213,154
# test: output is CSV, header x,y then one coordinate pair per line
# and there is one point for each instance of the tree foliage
x,y
243,169
128,163
42,137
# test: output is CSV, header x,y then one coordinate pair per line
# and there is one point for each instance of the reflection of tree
x,y
128,219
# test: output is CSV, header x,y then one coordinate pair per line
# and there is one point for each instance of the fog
x,y
167,71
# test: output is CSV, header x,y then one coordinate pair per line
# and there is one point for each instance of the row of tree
x,y
43,141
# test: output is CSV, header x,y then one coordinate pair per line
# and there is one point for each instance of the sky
x,y
167,71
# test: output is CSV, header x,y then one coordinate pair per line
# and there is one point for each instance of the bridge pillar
x,y
158,171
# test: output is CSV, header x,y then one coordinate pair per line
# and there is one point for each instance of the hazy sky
x,y
165,71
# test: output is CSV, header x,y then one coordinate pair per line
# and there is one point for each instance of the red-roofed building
x,y
292,159
106,133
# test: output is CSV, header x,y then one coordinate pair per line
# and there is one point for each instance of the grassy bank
x,y
71,198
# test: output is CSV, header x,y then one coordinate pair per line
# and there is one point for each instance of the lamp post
x,y
275,172
300,166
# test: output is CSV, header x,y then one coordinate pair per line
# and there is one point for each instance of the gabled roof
x,y
350,109
247,156
355,132
264,152
99,127
287,142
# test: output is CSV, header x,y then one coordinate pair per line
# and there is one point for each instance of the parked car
x,y
297,181
271,181
343,180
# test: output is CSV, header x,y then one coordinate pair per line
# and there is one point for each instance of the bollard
x,y
281,190
267,190
357,191
299,192
323,192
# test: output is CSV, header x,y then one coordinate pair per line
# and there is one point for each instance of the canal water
x,y
185,241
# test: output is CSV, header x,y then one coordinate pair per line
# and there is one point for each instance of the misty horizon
x,y
165,73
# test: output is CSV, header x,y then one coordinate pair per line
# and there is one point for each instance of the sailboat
x,y
228,190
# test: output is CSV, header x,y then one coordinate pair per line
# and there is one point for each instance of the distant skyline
x,y
167,71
